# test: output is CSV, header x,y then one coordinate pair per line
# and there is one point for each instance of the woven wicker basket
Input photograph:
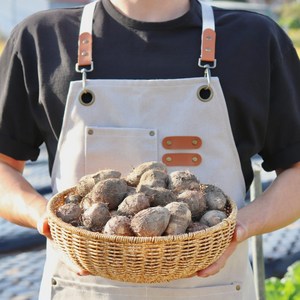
x,y
141,259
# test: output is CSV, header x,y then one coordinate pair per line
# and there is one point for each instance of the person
x,y
104,85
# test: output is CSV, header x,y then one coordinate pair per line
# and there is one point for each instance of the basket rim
x,y
134,239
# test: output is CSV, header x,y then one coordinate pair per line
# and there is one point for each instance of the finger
x,y
240,233
43,227
83,273
219,264
211,270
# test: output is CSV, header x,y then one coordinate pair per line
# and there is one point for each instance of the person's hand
x,y
240,234
44,229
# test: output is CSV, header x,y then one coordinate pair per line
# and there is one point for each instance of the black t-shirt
x,y
258,68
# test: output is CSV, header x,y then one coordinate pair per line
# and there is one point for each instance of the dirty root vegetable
x,y
133,178
96,216
118,225
154,178
180,218
111,191
70,213
195,200
183,180
213,217
87,182
152,221
196,226
73,198
158,196
214,196
134,203
86,202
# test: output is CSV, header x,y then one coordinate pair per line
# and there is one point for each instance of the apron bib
x,y
119,124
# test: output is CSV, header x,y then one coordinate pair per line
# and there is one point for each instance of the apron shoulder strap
x,y
208,44
85,36
86,27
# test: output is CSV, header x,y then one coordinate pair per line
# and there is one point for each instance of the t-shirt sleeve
x,y
282,140
19,134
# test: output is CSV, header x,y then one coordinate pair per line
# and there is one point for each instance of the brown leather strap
x,y
182,142
208,45
85,49
181,159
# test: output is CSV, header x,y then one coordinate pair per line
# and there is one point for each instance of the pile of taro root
x,y
147,202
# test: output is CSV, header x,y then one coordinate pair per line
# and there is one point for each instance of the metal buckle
x,y
83,71
207,75
205,64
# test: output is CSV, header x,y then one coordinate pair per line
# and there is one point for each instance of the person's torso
x,y
127,49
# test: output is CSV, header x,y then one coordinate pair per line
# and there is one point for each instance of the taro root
x,y
183,180
134,203
73,198
150,222
111,191
70,213
195,200
118,225
113,213
133,178
154,178
196,226
213,217
86,202
95,217
131,190
87,182
85,185
158,196
214,196
180,218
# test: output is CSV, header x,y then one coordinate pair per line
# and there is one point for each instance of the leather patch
x,y
182,142
208,45
181,159
85,49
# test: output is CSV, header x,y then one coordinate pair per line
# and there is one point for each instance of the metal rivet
x,y
152,133
195,159
54,282
169,159
208,49
209,38
85,41
194,142
169,143
84,53
238,287
90,131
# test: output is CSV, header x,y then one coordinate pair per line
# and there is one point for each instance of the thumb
x,y
240,233
43,227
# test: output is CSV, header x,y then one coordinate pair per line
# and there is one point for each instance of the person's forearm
x,y
19,202
277,207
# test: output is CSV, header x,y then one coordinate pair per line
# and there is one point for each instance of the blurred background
x,y
22,250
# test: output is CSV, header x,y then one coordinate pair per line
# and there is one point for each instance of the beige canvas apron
x,y
121,123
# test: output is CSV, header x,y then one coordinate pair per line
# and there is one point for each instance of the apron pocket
x,y
67,289
119,148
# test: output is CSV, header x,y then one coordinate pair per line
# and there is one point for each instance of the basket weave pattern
x,y
141,259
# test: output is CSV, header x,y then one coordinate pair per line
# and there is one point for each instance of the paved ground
x,y
22,250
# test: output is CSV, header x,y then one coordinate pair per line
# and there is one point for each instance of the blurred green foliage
x,y
289,15
287,288
289,19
